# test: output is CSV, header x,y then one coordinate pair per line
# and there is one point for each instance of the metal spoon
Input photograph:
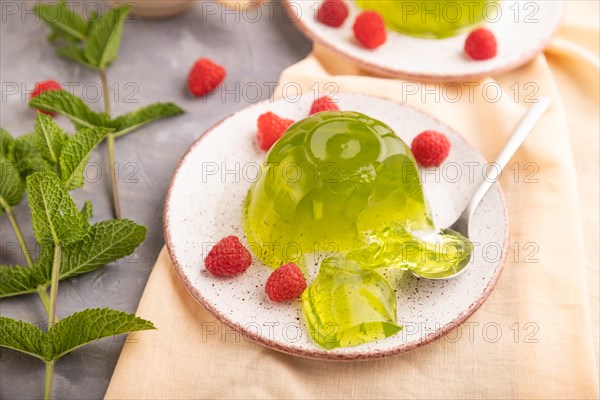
x,y
461,225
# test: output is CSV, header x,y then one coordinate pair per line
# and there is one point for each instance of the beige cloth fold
x,y
545,306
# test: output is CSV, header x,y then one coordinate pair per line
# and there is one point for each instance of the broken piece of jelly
x,y
348,305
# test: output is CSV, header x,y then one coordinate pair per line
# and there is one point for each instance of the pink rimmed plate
x,y
522,29
204,204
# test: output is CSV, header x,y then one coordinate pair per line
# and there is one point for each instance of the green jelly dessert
x,y
429,18
330,181
343,184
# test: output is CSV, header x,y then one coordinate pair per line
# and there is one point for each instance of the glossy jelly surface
x,y
430,18
343,183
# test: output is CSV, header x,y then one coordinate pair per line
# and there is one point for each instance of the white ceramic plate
x,y
522,29
204,204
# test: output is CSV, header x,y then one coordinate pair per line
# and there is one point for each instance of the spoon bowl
x,y
525,126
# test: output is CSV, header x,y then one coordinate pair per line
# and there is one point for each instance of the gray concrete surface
x,y
153,64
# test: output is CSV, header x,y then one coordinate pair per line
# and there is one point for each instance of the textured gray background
x,y
155,58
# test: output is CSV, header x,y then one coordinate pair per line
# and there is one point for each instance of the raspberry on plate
x,y
481,44
285,283
430,148
369,29
228,257
205,76
270,128
324,103
44,86
332,13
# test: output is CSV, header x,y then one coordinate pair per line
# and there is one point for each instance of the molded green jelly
x,y
344,183
327,184
429,18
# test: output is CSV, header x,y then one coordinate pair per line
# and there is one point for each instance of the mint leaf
x,y
105,34
16,280
27,157
69,333
69,105
88,326
107,241
11,185
145,115
7,144
74,53
75,155
21,336
50,138
87,210
64,23
42,270
54,217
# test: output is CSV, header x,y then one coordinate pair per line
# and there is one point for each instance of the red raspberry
x,y
430,148
205,76
41,87
332,13
369,29
285,283
229,257
270,128
323,104
481,44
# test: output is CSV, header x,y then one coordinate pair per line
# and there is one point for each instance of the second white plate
x,y
522,29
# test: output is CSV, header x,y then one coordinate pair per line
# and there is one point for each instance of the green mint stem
x,y
105,93
48,384
13,221
44,298
110,149
56,261
18,233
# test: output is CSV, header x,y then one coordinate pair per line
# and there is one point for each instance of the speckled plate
x,y
522,29
204,204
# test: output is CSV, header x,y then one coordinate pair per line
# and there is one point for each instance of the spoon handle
x,y
526,125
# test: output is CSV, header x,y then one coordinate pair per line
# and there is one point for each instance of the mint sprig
x,y
69,246
48,163
95,44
